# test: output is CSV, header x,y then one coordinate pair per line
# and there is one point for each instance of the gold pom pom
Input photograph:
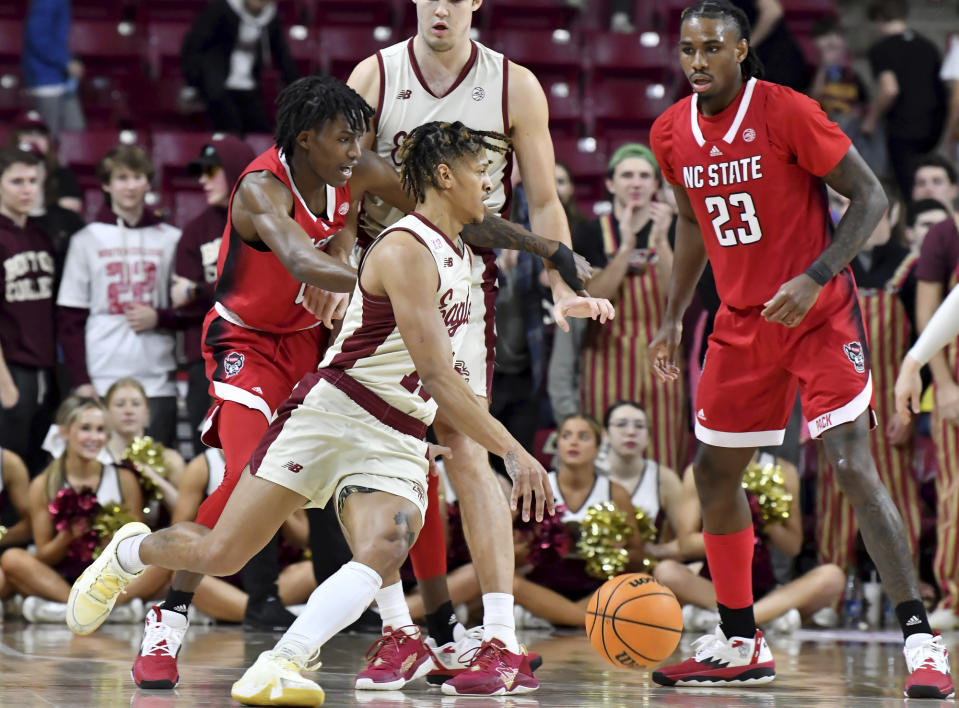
x,y
145,451
603,533
107,522
769,486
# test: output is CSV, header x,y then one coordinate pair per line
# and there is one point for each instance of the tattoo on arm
x,y
496,232
853,179
510,462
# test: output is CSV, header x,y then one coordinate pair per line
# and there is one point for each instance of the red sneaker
x,y
155,665
929,675
493,671
722,662
395,659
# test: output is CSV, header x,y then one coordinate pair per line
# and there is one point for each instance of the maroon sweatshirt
x,y
27,320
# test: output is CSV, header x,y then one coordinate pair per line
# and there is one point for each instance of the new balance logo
x,y
913,621
447,262
508,674
293,467
404,95
715,152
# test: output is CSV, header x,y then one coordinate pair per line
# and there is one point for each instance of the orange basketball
x,y
634,621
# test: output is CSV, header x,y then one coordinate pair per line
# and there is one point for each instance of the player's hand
x,y
9,394
661,214
792,301
898,433
947,402
663,348
432,452
908,389
86,391
140,317
530,484
582,305
181,291
324,305
583,269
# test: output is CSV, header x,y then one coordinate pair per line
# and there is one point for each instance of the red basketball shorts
x,y
255,369
753,368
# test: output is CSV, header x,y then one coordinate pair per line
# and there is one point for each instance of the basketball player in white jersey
x,y
354,430
441,75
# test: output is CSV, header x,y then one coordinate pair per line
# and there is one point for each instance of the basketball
x,y
634,621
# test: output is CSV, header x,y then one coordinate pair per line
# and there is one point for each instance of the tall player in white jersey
x,y
354,431
440,74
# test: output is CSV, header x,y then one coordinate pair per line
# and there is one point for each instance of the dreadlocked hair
x,y
311,102
431,144
721,9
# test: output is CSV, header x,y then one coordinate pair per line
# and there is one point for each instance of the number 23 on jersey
x,y
739,206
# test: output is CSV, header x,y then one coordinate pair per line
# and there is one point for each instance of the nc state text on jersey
x,y
722,174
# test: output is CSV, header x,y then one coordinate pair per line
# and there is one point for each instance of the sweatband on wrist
x,y
820,273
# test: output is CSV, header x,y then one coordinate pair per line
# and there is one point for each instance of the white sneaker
x,y
928,665
95,592
130,613
718,661
699,619
447,656
826,617
275,680
943,619
787,623
525,619
37,609
199,618
155,665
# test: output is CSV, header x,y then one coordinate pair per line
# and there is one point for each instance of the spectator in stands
x,y
950,75
61,187
62,553
50,74
567,195
842,93
27,330
779,608
778,50
113,298
223,55
630,248
934,177
910,97
219,166
922,216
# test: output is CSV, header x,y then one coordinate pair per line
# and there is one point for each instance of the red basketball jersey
x,y
753,174
254,289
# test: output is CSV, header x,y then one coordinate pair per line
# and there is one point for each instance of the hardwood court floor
x,y
45,665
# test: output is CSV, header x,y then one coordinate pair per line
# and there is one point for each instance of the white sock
x,y
333,606
498,620
914,640
394,611
128,553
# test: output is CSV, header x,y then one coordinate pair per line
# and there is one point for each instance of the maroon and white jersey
x,y
370,348
254,289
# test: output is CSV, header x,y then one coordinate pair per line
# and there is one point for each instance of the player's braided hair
x,y
431,144
311,102
721,9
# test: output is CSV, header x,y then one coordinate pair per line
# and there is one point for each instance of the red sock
x,y
730,558
240,429
429,552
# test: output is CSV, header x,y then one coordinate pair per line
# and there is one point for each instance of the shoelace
x,y
930,655
156,641
386,644
473,635
105,587
483,656
703,646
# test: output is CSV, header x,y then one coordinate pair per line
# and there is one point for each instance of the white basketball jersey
x,y
646,494
216,468
478,99
370,348
598,494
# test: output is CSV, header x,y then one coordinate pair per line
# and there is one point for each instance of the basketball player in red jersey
x,y
440,74
748,161
258,340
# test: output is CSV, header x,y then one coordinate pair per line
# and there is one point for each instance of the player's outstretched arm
x,y
689,261
261,210
404,271
853,179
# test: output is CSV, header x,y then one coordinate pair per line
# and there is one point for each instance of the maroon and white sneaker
x,y
493,670
395,659
929,675
155,665
719,661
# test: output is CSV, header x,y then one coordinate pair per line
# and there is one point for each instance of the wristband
x,y
565,264
820,273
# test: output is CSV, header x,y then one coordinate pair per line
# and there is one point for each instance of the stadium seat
x,y
81,151
172,150
11,41
548,54
164,41
565,109
187,205
342,48
625,110
166,111
611,54
538,14
352,13
260,142
588,167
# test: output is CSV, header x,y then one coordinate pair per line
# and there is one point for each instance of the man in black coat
x,y
223,55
